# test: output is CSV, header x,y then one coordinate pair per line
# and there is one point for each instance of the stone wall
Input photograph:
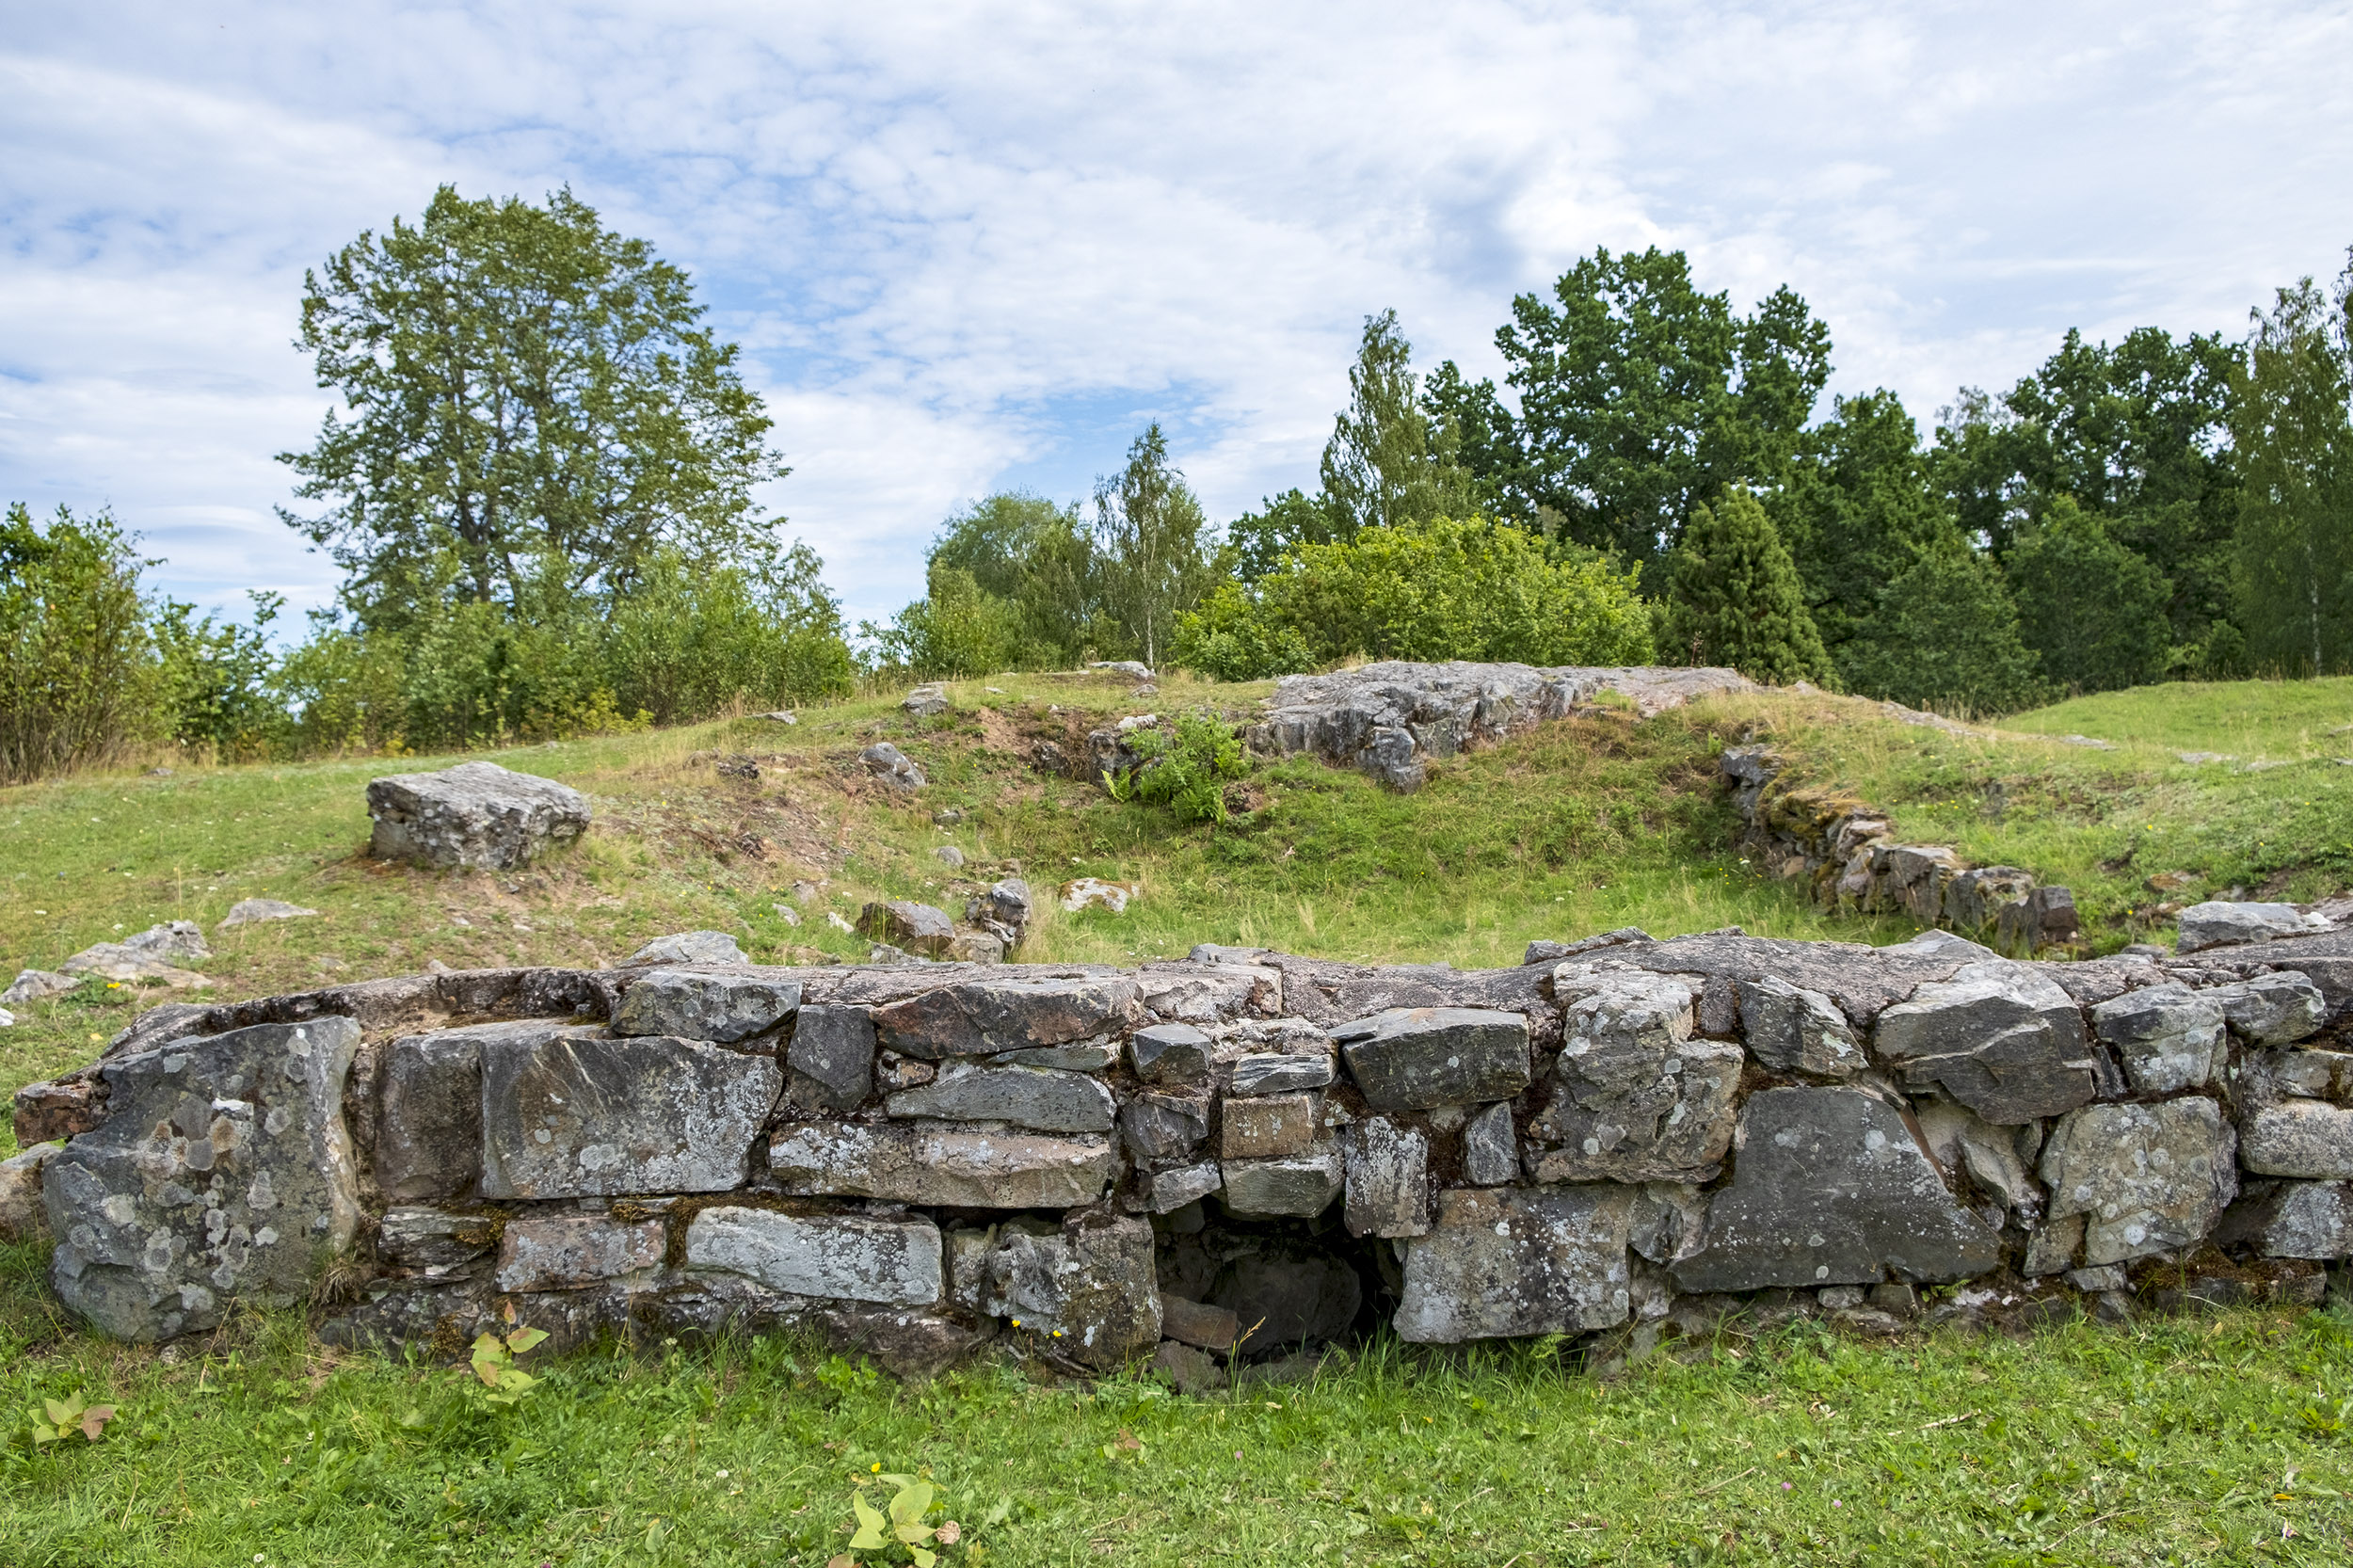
x,y
1089,1165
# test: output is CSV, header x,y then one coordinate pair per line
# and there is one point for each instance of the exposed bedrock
x,y
1080,1163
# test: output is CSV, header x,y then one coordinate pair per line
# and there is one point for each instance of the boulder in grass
x,y
916,928
34,985
150,956
254,911
475,814
891,765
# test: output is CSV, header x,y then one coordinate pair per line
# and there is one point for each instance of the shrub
x,y
79,680
1184,769
220,679
957,629
1734,597
1945,635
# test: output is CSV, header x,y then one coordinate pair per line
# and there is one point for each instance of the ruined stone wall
x,y
1090,1165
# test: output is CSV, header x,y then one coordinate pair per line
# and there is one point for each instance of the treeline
x,y
1658,478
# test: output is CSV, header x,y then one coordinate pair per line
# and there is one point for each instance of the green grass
x,y
2212,1439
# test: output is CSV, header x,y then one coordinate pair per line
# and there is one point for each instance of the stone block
x,y
2291,1219
573,1117
981,1018
2146,1179
1490,1147
686,947
2169,1037
1964,1142
1165,1191
1830,1188
830,1063
851,1257
950,1166
1635,1096
474,814
1088,1286
1170,1053
916,928
223,1172
721,1008
1268,1127
2272,1009
428,1124
1515,1261
1303,1185
1385,1176
438,1244
1191,1371
889,765
1792,1029
2222,924
2000,1038
565,1252
1038,1098
1274,1074
2316,1075
1088,1058
1419,1058
2304,1138
1192,1322
1164,1127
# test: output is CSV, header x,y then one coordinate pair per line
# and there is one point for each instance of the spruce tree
x,y
1734,598
1946,636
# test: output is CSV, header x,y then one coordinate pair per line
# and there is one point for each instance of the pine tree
x,y
1734,598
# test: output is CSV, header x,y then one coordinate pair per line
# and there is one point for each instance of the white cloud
x,y
966,245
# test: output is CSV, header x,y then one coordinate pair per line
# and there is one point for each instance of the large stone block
x,y
1041,1098
1635,1096
2146,1179
223,1172
473,814
2291,1219
1830,1188
570,1117
852,1258
1170,1053
1268,1127
1165,1191
951,1166
2272,1009
1792,1029
1302,1186
2222,923
428,1122
2306,1138
1164,1127
1515,1261
914,927
1419,1058
694,1005
1087,1286
830,1063
567,1252
982,1016
2170,1037
2000,1038
1385,1175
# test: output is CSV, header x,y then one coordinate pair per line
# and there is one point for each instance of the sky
x,y
967,248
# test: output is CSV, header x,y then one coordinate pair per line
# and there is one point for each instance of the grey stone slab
x,y
1164,1127
1165,1191
1270,1127
965,1168
567,1252
2224,923
1192,1322
1791,1029
2305,1137
438,1244
565,1118
1170,1053
1385,1178
1490,1147
831,1059
428,1122
474,814
1087,1288
687,946
1417,1058
916,928
2146,1179
2169,1037
696,1005
2272,1009
1635,1096
2305,1074
1302,1186
982,1017
255,911
1034,1097
1999,1038
1964,1142
223,1172
1511,1261
2291,1219
1830,1188
1267,1073
853,1257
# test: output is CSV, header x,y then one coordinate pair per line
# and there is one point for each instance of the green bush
x,y
1186,769
221,680
1946,637
684,644
1437,590
1734,597
80,681
957,629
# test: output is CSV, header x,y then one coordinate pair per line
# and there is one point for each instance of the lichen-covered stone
x,y
474,814
2146,1179
574,1117
428,1122
955,1167
1036,1097
1087,1288
695,1005
434,1243
687,946
223,1172
1303,1186
853,1257
985,1016
1417,1058
1635,1096
2306,1138
1385,1178
2272,1009
2317,1075
2224,923
1170,1053
1268,1127
1830,1188
2291,1219
830,1064
2169,1036
565,1252
1490,1147
1517,1261
1792,1029
1999,1038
